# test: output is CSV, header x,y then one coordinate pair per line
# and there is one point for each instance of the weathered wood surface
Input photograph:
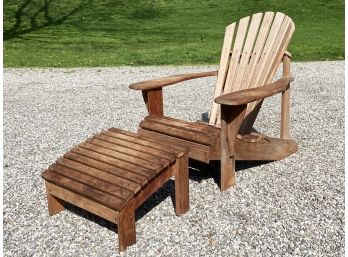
x,y
200,138
113,173
154,101
55,205
161,82
126,227
182,203
135,138
231,118
82,202
198,133
285,105
267,149
196,151
105,170
254,94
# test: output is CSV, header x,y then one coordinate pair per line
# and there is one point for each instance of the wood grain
x,y
223,69
123,150
182,204
91,193
196,151
267,149
126,227
281,32
254,94
93,182
130,167
189,126
136,138
110,180
231,119
54,204
92,166
161,82
153,99
179,132
285,104
137,146
82,202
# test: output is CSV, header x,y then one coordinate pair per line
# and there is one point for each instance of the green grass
x,y
73,33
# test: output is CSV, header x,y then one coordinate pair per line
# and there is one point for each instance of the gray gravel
x,y
293,207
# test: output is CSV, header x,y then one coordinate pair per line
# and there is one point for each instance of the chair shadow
x,y
201,171
198,171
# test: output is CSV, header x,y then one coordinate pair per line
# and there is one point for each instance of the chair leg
x,y
55,205
231,120
126,227
228,172
182,204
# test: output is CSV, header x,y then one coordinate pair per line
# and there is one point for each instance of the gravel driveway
x,y
292,207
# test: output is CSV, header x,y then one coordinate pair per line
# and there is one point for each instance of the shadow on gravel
x,y
198,172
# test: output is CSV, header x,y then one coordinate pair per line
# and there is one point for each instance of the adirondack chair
x,y
252,51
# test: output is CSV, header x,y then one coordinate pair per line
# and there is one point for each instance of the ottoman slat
x,y
124,157
93,181
116,162
137,146
101,174
131,176
130,152
89,192
174,149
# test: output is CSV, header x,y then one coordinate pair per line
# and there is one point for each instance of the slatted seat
x,y
114,172
196,132
202,139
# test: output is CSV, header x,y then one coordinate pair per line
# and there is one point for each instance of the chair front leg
x,y
231,120
154,101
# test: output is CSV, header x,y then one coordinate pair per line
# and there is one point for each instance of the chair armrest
x,y
254,94
161,82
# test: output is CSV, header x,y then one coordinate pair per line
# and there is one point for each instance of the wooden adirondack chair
x,y
252,51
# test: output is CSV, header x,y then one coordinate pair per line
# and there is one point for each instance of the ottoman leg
x,y
126,227
182,204
55,205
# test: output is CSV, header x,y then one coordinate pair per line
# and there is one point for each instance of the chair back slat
x,y
223,68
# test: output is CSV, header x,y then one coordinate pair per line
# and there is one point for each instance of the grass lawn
x,y
73,33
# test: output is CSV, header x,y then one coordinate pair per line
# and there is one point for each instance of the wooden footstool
x,y
113,173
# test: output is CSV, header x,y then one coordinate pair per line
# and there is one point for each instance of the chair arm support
x,y
254,94
161,82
